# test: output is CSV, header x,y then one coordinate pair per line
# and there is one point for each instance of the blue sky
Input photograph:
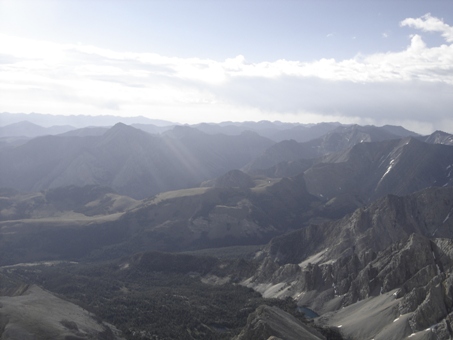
x,y
366,62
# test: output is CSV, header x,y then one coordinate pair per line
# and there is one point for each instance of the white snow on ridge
x,y
392,162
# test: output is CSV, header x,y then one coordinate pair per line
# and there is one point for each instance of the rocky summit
x,y
388,265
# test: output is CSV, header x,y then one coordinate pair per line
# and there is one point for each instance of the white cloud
x,y
428,23
412,85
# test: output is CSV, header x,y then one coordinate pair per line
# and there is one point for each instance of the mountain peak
x,y
122,128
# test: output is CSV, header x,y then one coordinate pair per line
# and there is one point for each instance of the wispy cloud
x,y
414,84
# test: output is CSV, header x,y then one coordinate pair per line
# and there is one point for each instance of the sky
x,y
365,62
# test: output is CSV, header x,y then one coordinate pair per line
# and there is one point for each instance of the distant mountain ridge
x,y
129,160
78,121
371,170
140,164
30,130
335,140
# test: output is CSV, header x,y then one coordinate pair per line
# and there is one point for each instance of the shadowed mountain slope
x,y
371,170
130,161
338,139
70,223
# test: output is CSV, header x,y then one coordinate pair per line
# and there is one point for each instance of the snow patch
x,y
316,258
391,164
268,290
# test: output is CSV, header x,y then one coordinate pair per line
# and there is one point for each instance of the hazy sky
x,y
367,62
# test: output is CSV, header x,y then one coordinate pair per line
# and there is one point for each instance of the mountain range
x,y
345,231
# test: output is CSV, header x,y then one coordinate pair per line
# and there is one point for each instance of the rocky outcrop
x,y
438,137
372,170
37,314
399,248
273,323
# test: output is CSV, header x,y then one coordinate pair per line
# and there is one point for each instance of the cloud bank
x,y
412,87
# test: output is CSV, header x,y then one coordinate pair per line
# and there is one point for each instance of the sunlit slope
x,y
383,272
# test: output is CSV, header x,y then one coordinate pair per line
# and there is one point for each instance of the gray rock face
x,y
33,313
273,323
399,248
372,170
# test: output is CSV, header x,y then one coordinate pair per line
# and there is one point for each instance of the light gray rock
x,y
273,323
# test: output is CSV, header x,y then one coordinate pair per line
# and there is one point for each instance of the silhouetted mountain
x,y
129,160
